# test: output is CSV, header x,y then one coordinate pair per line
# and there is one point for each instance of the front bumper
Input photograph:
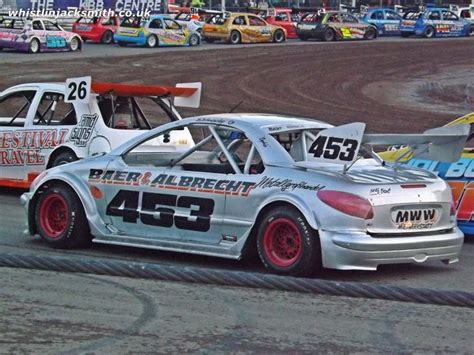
x,y
360,251
25,200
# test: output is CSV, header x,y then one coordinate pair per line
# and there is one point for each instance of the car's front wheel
x,y
370,33
194,40
60,218
286,243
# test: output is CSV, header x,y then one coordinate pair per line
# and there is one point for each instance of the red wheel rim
x,y
53,215
282,242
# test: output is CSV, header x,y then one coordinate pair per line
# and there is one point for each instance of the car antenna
x,y
236,107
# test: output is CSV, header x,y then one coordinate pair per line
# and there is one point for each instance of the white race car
x,y
40,129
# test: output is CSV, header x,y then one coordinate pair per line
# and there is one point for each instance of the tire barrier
x,y
238,279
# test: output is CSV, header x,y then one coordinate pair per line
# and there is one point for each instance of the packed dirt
x,y
398,87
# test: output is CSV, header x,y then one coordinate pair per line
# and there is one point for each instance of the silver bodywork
x,y
347,242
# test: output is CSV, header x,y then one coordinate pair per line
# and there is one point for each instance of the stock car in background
x,y
241,27
156,31
459,174
36,35
284,18
466,13
334,25
301,193
96,29
433,22
386,20
39,129
190,20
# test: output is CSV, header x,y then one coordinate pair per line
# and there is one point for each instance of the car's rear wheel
x,y
429,32
279,36
329,35
235,37
60,218
34,46
194,40
63,158
151,41
75,44
286,243
107,37
370,33
122,44
471,30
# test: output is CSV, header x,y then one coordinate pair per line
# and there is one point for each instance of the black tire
x,y
430,32
34,46
303,38
235,37
194,40
405,34
279,36
107,37
63,158
122,44
329,35
60,219
469,33
151,41
297,253
75,44
370,33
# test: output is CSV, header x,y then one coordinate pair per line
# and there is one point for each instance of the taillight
x,y
347,203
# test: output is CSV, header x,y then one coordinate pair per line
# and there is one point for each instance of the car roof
x,y
30,86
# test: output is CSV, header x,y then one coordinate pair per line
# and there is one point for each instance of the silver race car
x,y
302,193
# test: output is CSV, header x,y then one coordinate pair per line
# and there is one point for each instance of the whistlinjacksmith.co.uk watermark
x,y
79,13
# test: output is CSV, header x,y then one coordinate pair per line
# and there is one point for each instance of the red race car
x,y
96,29
284,18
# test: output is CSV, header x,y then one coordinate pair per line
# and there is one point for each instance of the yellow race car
x,y
460,174
241,28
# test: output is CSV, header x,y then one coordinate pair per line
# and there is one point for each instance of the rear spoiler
x,y
341,144
185,94
441,144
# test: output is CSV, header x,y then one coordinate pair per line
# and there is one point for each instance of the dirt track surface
x,y
393,86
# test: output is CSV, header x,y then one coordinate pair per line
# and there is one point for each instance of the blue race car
x,y
387,21
433,22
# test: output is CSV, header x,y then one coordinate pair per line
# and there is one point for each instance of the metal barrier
x,y
238,278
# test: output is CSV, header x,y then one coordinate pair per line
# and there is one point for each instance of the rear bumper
x,y
360,251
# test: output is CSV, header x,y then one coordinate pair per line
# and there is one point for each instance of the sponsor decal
x,y
172,182
82,132
287,184
415,218
377,191
20,148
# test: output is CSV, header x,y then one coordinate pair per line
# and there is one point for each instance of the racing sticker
x,y
415,218
20,148
157,209
172,182
287,184
55,42
82,132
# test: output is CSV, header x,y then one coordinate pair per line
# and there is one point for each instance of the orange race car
x,y
241,28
